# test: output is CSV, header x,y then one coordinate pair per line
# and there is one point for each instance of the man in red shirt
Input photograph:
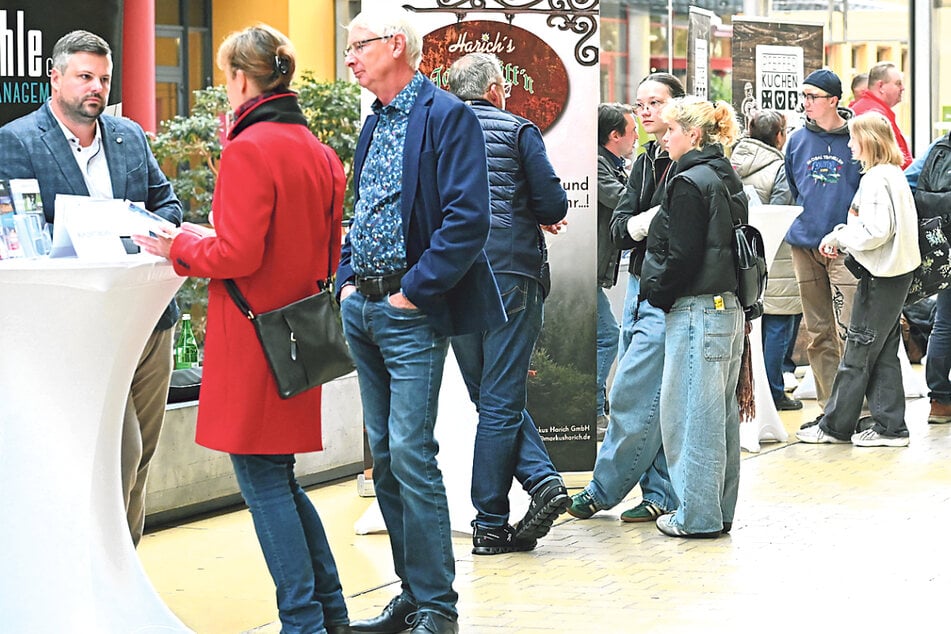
x,y
885,88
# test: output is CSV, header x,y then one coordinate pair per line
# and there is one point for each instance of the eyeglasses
x,y
653,105
811,97
357,47
506,87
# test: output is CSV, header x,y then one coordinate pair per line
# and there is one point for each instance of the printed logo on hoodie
x,y
825,168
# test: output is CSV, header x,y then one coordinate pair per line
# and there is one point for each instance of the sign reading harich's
x,y
27,35
537,75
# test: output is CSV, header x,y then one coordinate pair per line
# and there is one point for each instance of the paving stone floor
x,y
827,538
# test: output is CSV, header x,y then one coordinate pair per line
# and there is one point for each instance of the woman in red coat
x,y
276,231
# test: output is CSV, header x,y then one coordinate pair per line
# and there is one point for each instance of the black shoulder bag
x,y
303,341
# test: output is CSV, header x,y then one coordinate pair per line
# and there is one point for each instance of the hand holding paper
x,y
159,242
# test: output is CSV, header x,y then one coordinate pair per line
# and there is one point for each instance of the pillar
x,y
138,62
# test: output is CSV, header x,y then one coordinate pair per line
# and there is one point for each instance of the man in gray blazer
x,y
70,147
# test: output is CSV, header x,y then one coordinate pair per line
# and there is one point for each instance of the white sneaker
x,y
790,382
871,438
814,435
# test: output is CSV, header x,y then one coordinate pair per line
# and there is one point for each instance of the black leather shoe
x,y
548,502
398,616
343,628
786,404
435,623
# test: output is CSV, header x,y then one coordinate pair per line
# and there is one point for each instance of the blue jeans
x,y
778,332
938,365
870,367
699,415
632,450
292,538
608,335
495,368
400,360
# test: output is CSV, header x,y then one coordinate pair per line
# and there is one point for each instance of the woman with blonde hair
x,y
277,208
880,237
689,273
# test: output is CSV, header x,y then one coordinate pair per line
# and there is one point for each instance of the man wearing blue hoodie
x,y
823,178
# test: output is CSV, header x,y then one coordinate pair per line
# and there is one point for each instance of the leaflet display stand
x,y
71,333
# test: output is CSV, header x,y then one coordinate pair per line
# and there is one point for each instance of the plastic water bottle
x,y
186,348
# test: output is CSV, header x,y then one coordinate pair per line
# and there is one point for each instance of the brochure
x,y
94,228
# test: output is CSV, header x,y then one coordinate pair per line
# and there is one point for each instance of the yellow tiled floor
x,y
826,538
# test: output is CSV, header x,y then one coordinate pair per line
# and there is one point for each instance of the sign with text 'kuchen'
x,y
537,75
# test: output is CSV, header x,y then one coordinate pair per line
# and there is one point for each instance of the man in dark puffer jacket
x,y
524,193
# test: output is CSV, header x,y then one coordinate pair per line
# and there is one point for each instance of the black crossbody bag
x,y
303,342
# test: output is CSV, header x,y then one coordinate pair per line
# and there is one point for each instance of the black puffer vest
x,y
716,180
508,248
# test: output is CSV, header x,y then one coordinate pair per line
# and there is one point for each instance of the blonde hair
x,y
716,121
876,140
389,22
262,53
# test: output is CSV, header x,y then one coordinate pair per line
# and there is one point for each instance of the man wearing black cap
x,y
823,178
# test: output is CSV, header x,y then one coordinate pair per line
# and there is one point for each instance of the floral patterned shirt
x,y
376,234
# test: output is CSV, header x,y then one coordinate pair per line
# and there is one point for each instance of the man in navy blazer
x,y
412,273
70,147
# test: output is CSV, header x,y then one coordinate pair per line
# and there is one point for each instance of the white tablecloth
x,y
772,221
71,333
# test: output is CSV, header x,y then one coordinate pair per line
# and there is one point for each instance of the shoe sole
x,y
500,550
542,522
939,420
882,442
827,440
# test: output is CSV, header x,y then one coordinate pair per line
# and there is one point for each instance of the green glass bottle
x,y
186,349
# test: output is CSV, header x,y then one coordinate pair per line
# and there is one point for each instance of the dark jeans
x,y
870,367
495,368
295,547
938,365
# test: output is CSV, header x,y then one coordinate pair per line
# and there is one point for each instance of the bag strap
x,y
326,283
239,299
322,285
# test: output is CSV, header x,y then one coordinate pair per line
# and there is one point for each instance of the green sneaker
x,y
583,505
643,512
